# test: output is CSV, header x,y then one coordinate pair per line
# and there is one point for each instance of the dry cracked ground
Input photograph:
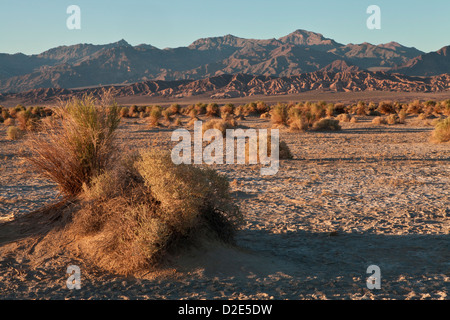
x,y
366,195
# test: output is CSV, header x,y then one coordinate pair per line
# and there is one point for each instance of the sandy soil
x,y
365,195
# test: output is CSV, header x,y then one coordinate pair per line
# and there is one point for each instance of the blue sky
x,y
33,26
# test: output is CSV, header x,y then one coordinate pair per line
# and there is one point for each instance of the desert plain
x,y
365,195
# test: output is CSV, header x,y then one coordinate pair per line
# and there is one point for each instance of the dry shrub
x,y
445,107
230,119
124,111
354,120
221,125
80,146
284,152
261,107
414,108
193,113
239,111
392,119
326,125
379,121
330,110
339,108
14,133
27,121
192,121
166,114
212,110
361,109
386,107
317,110
200,107
174,109
344,117
298,123
265,115
227,109
279,115
177,122
251,109
155,116
131,217
402,116
441,132
10,122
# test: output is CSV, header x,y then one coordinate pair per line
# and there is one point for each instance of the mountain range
x,y
301,52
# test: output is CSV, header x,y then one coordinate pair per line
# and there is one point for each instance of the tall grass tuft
x,y
79,146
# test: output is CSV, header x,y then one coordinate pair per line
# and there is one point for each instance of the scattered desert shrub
x,y
133,111
445,105
261,107
5,114
221,125
80,146
392,119
251,109
361,108
26,121
192,121
386,107
227,109
201,108
193,113
379,121
441,132
239,111
9,122
402,116
279,115
177,122
317,110
297,122
166,114
14,133
155,116
339,108
265,115
330,110
344,117
174,109
212,110
414,107
326,125
124,112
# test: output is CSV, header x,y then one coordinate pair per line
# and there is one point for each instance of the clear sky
x,y
33,26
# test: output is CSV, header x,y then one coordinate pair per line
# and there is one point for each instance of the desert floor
x,y
365,195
